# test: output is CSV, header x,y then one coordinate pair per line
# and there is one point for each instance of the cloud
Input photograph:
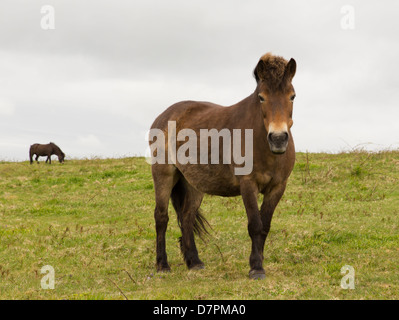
x,y
109,68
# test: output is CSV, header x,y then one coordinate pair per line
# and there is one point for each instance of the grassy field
x,y
92,221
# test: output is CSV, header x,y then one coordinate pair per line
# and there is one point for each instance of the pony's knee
x,y
161,214
255,228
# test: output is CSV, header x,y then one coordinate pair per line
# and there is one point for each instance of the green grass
x,y
92,220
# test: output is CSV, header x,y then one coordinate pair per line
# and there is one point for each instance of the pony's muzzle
x,y
278,141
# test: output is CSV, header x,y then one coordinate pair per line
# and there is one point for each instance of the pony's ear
x,y
259,70
290,70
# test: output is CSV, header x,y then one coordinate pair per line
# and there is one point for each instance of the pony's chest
x,y
263,180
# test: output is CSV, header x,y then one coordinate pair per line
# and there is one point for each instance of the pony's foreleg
x,y
48,159
270,201
249,192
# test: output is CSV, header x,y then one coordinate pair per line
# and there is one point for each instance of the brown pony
x,y
268,112
41,150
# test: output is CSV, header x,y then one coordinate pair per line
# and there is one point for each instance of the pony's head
x,y
58,152
276,95
61,157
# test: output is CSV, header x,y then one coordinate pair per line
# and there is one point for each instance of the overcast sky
x,y
94,84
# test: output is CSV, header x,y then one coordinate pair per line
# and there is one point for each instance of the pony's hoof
x,y
199,266
163,268
257,274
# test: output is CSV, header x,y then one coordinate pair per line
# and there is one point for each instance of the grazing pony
x,y
267,115
42,150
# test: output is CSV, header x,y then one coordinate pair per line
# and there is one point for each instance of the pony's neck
x,y
56,149
248,110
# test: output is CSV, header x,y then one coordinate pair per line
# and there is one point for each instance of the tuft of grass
x,y
92,221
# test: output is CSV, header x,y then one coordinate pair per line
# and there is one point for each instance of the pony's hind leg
x,y
164,177
186,201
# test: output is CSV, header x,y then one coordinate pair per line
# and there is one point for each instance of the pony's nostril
x,y
285,136
278,138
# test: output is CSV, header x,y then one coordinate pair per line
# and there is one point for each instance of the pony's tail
x,y
31,154
179,195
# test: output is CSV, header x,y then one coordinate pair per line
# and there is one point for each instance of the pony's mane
x,y
271,69
55,146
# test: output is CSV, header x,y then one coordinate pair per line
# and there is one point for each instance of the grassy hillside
x,y
92,221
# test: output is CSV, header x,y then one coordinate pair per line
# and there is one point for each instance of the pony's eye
x,y
293,97
261,98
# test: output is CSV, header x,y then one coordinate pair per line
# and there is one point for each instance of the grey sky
x,y
95,83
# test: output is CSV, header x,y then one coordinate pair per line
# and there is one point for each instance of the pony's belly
x,y
213,180
223,191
